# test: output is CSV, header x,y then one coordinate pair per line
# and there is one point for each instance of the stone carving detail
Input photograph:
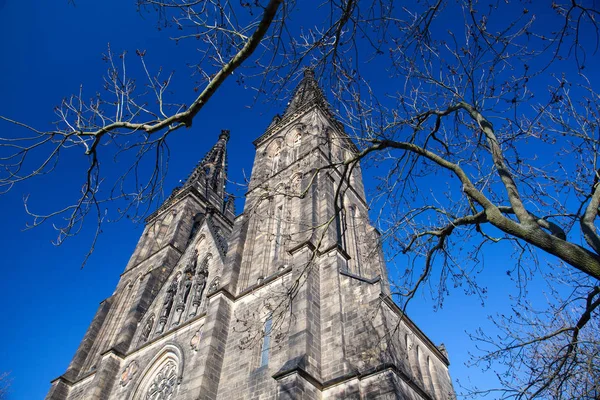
x,y
185,287
199,288
167,304
164,383
214,284
195,341
147,330
128,373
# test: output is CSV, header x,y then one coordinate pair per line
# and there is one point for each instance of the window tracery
x,y
164,383
161,378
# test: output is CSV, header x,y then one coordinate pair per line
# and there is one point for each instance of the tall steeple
x,y
210,174
307,92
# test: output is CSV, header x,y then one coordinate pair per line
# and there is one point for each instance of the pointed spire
x,y
308,91
211,171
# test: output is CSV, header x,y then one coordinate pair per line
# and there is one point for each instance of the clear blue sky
x,y
48,49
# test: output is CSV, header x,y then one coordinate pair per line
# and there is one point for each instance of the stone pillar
x,y
295,387
334,363
204,380
305,329
59,389
235,252
105,376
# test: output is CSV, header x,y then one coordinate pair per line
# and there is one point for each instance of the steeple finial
x,y
224,135
308,90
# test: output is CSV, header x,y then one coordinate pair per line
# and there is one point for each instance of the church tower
x,y
288,300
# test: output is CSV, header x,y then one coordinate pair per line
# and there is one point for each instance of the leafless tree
x,y
552,352
490,98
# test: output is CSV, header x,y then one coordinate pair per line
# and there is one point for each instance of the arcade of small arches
x,y
422,367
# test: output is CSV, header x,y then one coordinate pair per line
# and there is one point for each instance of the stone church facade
x,y
288,300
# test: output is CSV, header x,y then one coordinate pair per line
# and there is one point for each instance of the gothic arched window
x,y
276,162
164,383
277,233
197,221
160,381
356,238
266,345
297,145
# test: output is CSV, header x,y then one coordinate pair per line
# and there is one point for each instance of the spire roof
x,y
213,166
308,91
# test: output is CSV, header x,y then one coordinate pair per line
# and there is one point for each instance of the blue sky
x,y
50,48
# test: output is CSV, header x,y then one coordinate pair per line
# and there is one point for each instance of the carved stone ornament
x,y
195,341
214,285
128,373
164,383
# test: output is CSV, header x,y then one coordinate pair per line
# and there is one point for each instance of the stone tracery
x,y
164,383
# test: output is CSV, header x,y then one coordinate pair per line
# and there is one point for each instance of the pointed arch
x,y
166,368
275,153
294,141
434,379
196,223
276,161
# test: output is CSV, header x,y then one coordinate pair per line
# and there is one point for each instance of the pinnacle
x,y
213,166
307,91
224,135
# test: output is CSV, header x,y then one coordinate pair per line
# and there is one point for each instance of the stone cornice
x,y
324,385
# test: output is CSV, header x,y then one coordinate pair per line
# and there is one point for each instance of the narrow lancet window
x,y
340,227
195,226
355,232
278,218
264,352
276,160
314,199
297,144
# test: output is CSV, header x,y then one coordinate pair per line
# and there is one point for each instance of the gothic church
x,y
288,300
